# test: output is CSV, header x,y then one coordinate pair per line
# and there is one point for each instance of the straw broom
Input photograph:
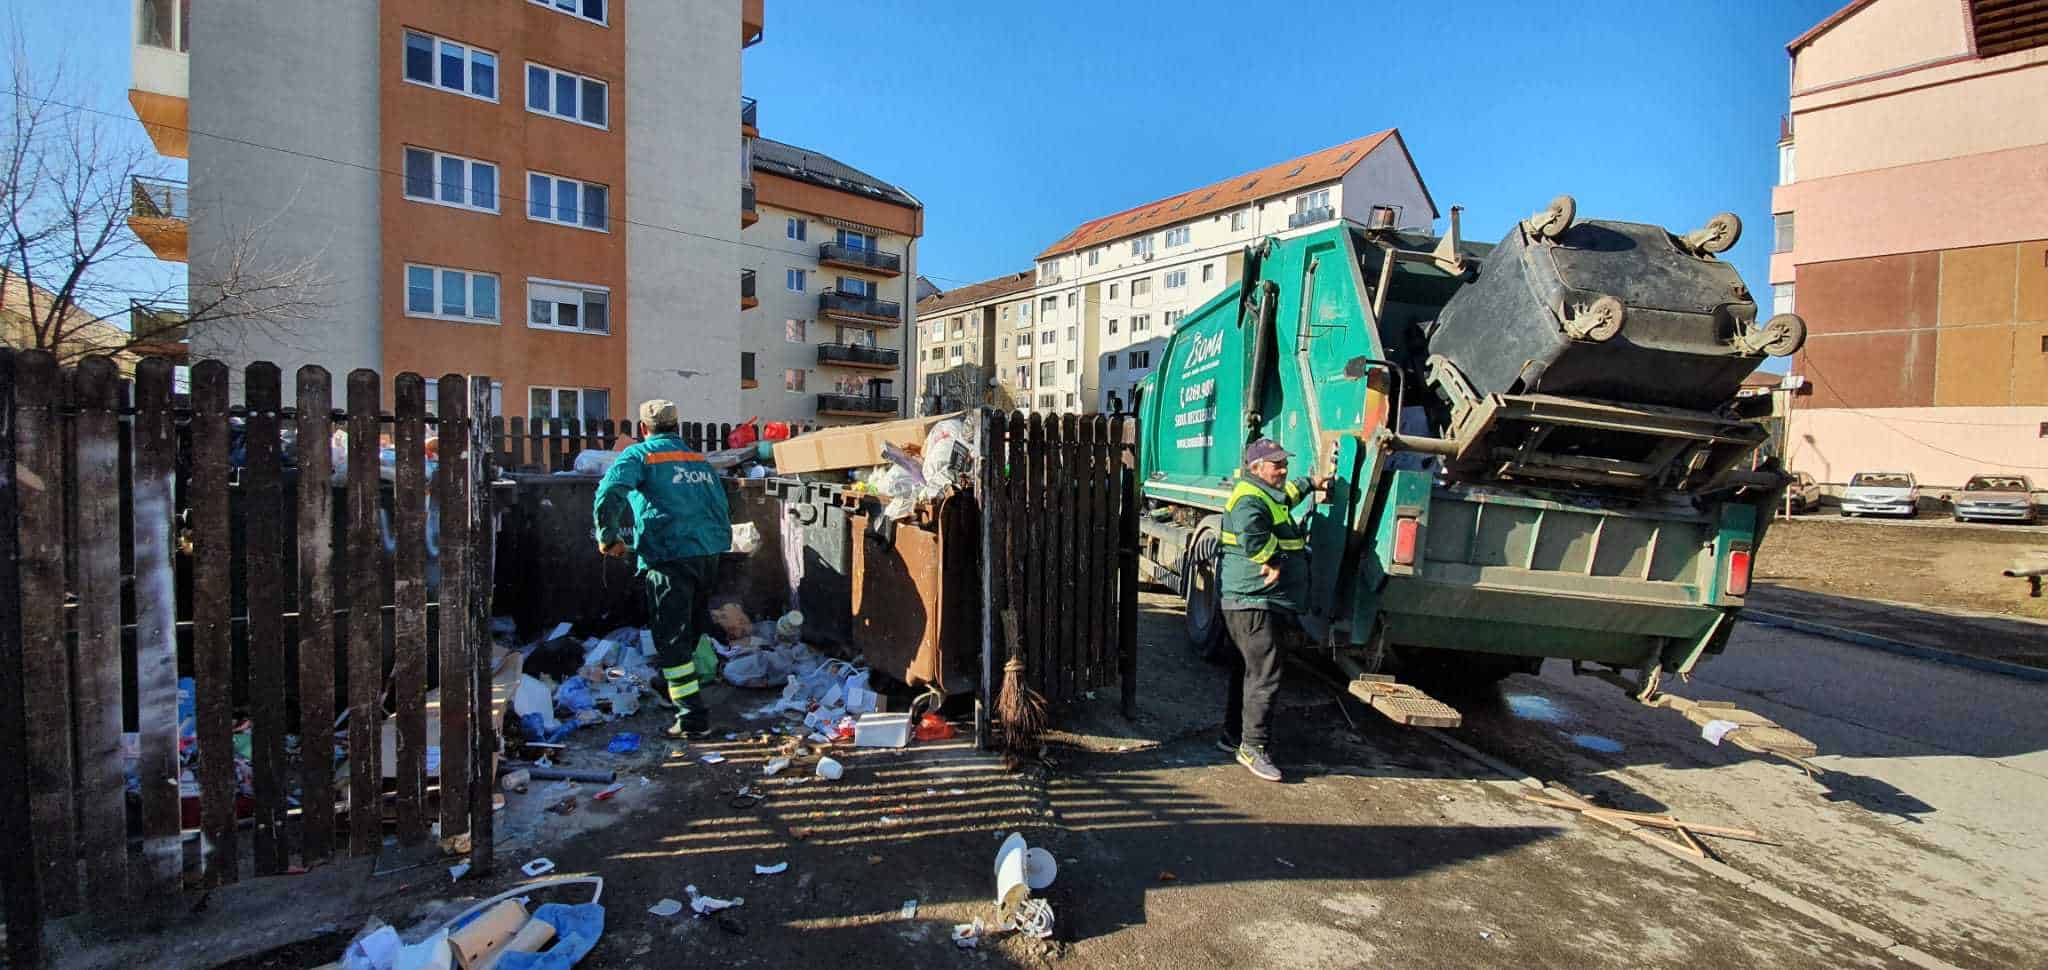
x,y
1019,709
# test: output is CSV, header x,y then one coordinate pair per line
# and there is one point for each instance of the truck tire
x,y
1203,611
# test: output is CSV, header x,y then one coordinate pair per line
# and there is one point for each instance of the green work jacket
x,y
677,503
1259,529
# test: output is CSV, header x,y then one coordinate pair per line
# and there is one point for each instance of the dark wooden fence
x,y
550,444
117,544
1062,550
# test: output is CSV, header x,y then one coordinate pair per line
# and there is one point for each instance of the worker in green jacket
x,y
1265,586
679,523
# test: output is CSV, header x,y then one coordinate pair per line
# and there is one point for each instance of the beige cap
x,y
658,412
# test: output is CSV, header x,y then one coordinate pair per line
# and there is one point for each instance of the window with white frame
x,y
570,97
1070,334
1094,256
847,336
1112,291
1006,342
1071,399
1024,311
1781,232
1173,318
452,180
796,228
555,305
1176,279
1070,368
1142,286
957,353
451,66
434,397
1782,300
1208,272
567,201
959,327
1047,373
568,403
1112,324
1047,402
1238,220
1141,246
1024,345
857,241
1177,236
591,10
855,286
1109,363
1141,359
1073,299
1141,321
439,293
794,280
795,331
1049,271
1047,305
1311,201
1046,338
793,380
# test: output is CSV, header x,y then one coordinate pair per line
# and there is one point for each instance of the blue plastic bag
x,y
574,695
576,931
624,742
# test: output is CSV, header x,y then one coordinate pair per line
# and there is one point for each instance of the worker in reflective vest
x,y
679,523
1265,586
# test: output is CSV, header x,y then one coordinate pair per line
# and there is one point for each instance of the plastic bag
x,y
775,431
756,668
593,461
948,455
859,698
746,537
706,658
746,434
575,695
932,727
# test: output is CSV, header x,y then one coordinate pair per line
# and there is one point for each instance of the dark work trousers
x,y
678,604
1254,673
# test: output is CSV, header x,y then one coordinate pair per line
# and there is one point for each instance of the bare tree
x,y
75,279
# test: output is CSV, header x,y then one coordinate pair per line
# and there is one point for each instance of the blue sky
x,y
1014,122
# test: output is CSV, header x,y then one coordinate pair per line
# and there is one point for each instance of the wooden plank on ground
x,y
263,536
1126,498
102,776
409,614
316,612
156,640
477,580
212,649
20,894
365,618
458,667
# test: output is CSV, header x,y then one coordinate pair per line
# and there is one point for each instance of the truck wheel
x,y
1204,606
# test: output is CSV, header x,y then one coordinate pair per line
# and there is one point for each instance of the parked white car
x,y
1881,493
2007,498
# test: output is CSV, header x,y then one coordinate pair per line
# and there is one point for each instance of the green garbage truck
x,y
1534,447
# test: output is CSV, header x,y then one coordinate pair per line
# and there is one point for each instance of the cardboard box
x,y
855,446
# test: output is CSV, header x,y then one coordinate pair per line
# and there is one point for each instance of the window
x,y
794,279
568,202
1071,399
1047,402
959,327
1141,286
568,306
747,368
793,380
1176,279
858,241
852,286
1238,221
1046,338
1047,372
796,228
1781,298
1141,246
2044,343
1208,272
1072,298
451,66
2044,429
450,180
1070,368
794,331
1024,311
570,97
1006,313
1112,291
1070,334
1787,167
1024,345
1024,377
1141,321
591,10
1006,342
1176,237
1781,232
1173,318
568,403
1109,363
1112,324
450,294
1049,271
1311,201
957,353
1094,256
1048,305
1141,358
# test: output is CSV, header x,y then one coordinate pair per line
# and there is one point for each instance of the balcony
x,y
1784,128
850,355
856,405
747,379
1309,217
865,260
159,213
860,309
157,331
748,300
748,213
751,22
162,66
750,114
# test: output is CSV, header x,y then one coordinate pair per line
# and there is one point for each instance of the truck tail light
x,y
1738,571
1407,534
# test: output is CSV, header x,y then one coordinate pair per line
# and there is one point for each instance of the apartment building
x,y
1911,233
530,189
956,337
1106,296
828,292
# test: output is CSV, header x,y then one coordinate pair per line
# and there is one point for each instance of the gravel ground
x,y
1926,563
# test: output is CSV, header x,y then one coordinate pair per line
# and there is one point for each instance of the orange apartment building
x,y
529,189
1911,233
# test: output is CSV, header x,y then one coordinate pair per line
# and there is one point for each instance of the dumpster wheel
x,y
1555,217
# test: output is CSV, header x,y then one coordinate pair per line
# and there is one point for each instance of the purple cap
x,y
1265,449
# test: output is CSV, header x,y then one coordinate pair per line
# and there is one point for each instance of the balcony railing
x,y
1309,217
858,356
154,198
151,324
856,404
748,213
750,114
874,259
748,298
853,304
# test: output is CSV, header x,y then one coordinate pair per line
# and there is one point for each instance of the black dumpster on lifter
x,y
1616,311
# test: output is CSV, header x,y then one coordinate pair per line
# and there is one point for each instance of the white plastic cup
x,y
829,769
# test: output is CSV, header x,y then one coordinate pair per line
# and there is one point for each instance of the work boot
x,y
690,723
1254,759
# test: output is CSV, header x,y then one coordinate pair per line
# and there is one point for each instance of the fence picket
x,y
989,492
102,788
1039,664
451,491
365,619
18,865
537,451
1087,633
316,612
409,618
263,538
45,662
156,640
477,566
1125,497
212,650
515,444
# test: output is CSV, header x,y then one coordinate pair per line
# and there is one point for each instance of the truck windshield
x,y
1881,480
1988,483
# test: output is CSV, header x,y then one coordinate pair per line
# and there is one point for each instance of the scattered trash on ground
x,y
667,907
538,867
713,758
830,769
624,742
457,871
775,869
967,936
706,905
606,795
1715,730
909,909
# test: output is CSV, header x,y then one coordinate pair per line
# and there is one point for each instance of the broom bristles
x,y
1019,709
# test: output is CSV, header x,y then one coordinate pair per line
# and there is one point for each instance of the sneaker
x,y
1255,761
1227,744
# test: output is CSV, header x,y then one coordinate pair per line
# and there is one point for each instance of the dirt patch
x,y
1929,565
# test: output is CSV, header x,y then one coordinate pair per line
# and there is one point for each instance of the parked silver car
x,y
1881,493
2005,498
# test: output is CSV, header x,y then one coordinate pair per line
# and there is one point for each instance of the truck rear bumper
x,y
1533,622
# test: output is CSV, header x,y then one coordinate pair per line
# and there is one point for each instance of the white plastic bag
x,y
594,461
756,668
746,537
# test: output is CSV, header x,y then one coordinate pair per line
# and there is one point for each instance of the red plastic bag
x,y
775,431
932,727
743,435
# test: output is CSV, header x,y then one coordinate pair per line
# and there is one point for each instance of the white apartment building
x,y
956,343
1110,292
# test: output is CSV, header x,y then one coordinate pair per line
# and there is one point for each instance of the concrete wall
x,y
1942,447
1883,36
682,135
1969,108
253,64
1996,197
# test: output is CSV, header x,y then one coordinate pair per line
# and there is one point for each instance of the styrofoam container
x,y
882,731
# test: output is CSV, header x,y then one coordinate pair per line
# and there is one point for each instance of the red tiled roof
x,y
972,293
1316,167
